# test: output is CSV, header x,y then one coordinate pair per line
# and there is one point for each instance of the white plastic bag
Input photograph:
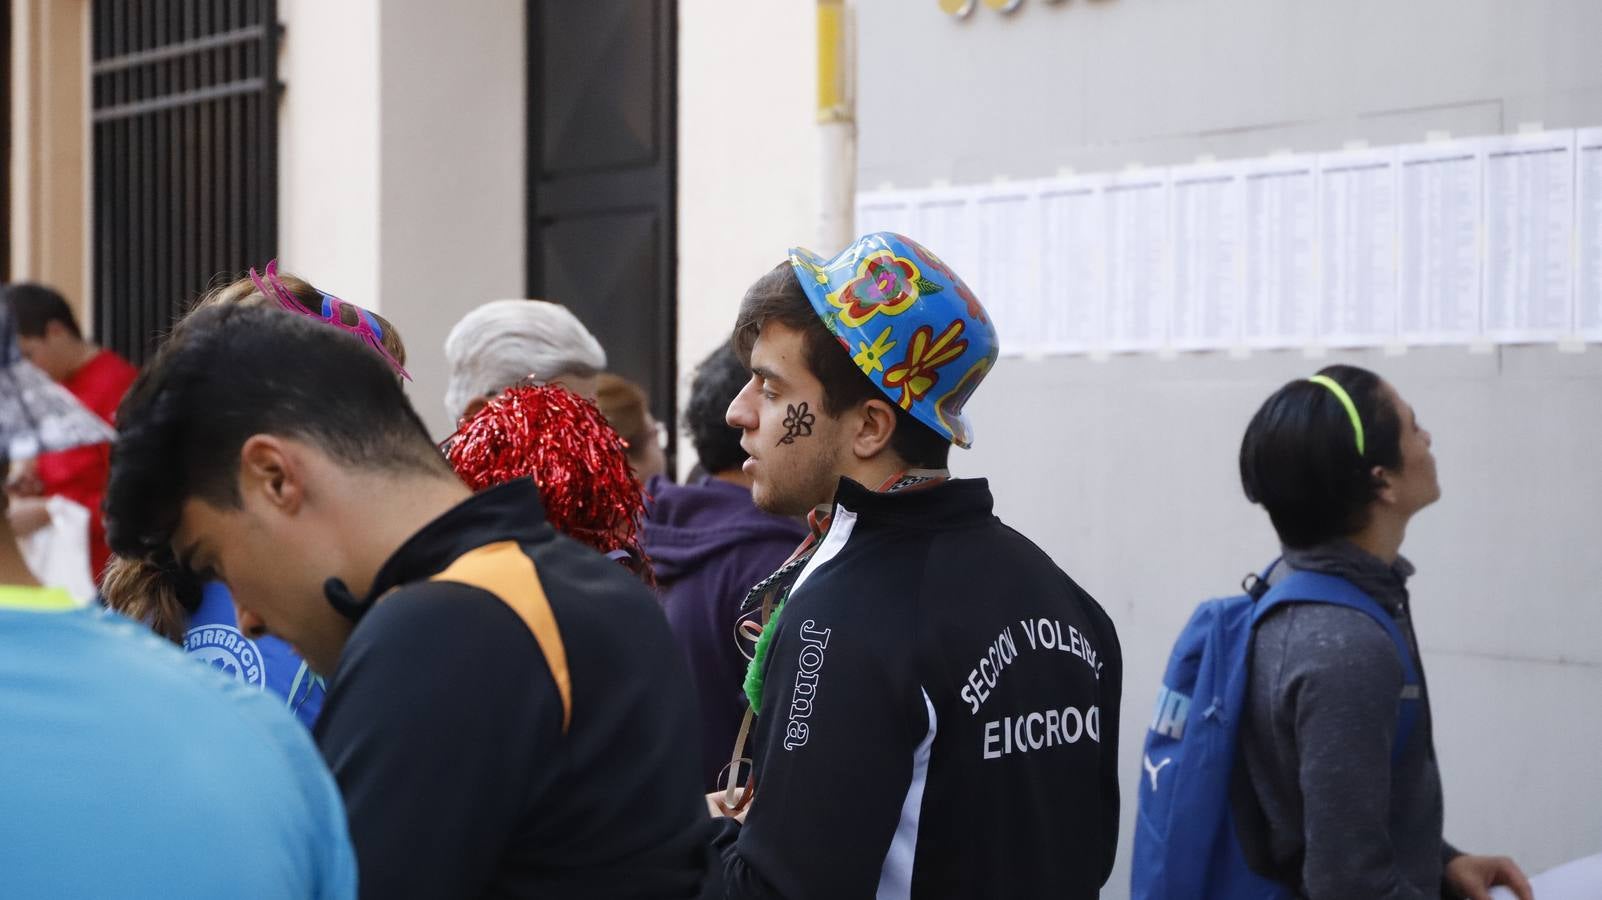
x,y
58,553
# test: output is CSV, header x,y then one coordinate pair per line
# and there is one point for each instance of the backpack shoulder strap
x,y
1316,587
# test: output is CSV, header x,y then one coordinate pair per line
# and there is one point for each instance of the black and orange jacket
x,y
513,719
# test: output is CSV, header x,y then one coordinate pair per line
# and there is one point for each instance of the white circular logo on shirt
x,y
227,650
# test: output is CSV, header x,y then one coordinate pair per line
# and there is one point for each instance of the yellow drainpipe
x,y
837,127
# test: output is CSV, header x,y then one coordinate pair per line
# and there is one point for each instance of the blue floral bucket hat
x,y
909,322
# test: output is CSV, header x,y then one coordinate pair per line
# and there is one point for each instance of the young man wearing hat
x,y
936,701
130,771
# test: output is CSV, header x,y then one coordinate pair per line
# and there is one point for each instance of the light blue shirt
x,y
127,770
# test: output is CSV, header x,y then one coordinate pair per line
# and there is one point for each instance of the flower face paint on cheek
x,y
797,423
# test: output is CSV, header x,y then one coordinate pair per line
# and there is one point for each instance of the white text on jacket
x,y
1039,730
1042,634
808,665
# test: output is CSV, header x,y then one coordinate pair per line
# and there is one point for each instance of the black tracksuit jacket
x,y
939,715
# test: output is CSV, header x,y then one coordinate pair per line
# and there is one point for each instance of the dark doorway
x,y
185,156
602,86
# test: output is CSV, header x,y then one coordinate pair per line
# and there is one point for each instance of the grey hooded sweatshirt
x,y
1318,802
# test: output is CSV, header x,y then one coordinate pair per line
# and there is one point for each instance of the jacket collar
x,y
945,504
507,512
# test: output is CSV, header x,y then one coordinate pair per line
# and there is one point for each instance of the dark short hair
x,y
718,380
228,372
34,307
778,297
1299,457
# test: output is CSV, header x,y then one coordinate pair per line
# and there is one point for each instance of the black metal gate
x,y
601,172
185,156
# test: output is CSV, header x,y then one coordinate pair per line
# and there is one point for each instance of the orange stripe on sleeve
x,y
506,571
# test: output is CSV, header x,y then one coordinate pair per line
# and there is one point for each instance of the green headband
x,y
1346,401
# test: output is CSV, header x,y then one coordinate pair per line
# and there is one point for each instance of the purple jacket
x,y
709,544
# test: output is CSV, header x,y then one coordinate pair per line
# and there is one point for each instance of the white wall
x,y
748,158
402,165
452,194
1125,470
328,146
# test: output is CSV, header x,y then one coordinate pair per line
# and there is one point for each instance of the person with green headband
x,y
1324,803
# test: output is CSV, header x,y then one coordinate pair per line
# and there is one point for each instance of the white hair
x,y
506,341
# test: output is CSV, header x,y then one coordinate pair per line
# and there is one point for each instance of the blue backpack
x,y
1185,839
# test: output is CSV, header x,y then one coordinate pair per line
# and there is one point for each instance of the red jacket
x,y
80,474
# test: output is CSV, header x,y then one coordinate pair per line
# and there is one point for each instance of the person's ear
x,y
1384,484
875,422
270,471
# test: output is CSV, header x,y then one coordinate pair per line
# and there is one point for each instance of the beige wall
x,y
50,147
401,166
748,158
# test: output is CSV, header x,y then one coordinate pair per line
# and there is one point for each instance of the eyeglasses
x,y
366,328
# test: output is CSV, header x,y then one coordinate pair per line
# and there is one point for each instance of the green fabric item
x,y
759,658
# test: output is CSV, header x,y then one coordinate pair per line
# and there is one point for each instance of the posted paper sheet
x,y
1073,263
1440,242
1281,298
1135,213
1208,258
1358,241
1588,209
1529,236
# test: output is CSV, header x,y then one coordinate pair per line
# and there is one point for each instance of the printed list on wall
x,y
1473,241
